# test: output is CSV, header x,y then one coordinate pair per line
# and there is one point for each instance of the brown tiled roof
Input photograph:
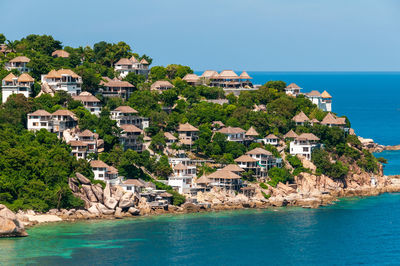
x,y
112,170
98,164
325,94
301,118
64,113
180,166
161,83
223,174
126,109
9,77
245,158
20,59
209,73
259,151
293,86
77,143
191,78
86,97
271,136
233,168
290,134
203,180
308,136
59,73
314,94
25,77
231,130
131,128
115,83
86,133
244,75
124,61
169,136
251,132
186,127
134,182
60,53
40,113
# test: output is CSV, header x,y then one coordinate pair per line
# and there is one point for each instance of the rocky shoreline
x,y
371,146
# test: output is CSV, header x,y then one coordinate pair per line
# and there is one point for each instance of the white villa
x,y
132,185
233,133
40,119
225,179
271,139
265,159
79,149
91,103
182,177
293,89
248,163
301,119
63,80
104,172
161,85
126,115
18,63
304,145
63,120
116,88
12,84
322,100
125,66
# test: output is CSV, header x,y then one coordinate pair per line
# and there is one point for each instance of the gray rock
x,y
98,192
133,211
82,179
89,193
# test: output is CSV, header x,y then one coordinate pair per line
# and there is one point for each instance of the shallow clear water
x,y
354,231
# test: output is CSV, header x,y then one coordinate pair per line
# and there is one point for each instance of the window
x,y
128,188
35,124
100,175
305,149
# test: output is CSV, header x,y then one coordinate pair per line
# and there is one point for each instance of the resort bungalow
x,y
40,119
192,79
322,100
331,120
63,80
264,159
203,183
60,53
251,134
304,145
12,84
104,172
236,134
248,163
170,139
182,177
291,135
229,79
272,140
115,88
187,133
131,137
79,149
63,120
19,63
91,103
225,180
161,85
301,119
292,89
132,185
92,140
126,115
125,66
233,168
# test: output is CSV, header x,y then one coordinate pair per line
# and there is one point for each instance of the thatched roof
x,y
186,127
223,174
9,77
98,164
209,73
161,84
325,94
144,62
25,77
86,133
126,109
271,136
293,86
228,74
314,94
191,78
124,62
61,72
115,83
256,151
180,166
203,180
231,130
301,118
169,136
77,143
244,75
40,113
85,97
20,59
134,182
131,129
290,134
252,132
60,53
307,136
233,168
245,158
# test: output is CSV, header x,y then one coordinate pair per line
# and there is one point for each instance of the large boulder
x,y
82,179
104,210
98,192
110,203
133,211
107,191
10,226
93,210
89,193
73,184
118,213
117,192
126,201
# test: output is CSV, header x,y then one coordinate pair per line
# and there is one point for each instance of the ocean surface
x,y
354,231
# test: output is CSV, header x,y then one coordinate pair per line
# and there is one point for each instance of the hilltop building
x,y
304,145
301,119
126,115
125,66
187,133
12,84
192,79
60,53
131,137
236,134
182,177
104,172
91,103
161,85
322,100
116,88
19,63
293,89
63,80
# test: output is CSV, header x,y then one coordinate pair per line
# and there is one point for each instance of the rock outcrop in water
x,y
10,225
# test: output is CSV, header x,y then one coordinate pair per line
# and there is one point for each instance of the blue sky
x,y
271,35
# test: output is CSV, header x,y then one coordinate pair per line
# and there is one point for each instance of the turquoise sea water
x,y
354,231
